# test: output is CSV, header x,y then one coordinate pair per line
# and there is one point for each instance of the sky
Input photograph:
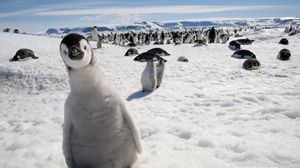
x,y
39,15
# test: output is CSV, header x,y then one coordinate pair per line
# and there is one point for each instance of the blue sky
x,y
38,15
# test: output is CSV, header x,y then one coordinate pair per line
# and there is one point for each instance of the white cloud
x,y
23,12
150,10
112,19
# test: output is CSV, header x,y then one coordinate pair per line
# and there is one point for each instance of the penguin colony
x,y
98,130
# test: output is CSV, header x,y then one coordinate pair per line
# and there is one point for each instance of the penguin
x,y
24,54
245,41
131,52
95,37
17,31
243,54
284,41
187,39
212,35
94,34
284,55
98,130
159,51
160,68
6,30
182,59
200,43
224,38
251,64
234,45
149,75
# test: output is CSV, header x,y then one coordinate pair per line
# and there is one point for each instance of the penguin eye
x,y
84,47
65,52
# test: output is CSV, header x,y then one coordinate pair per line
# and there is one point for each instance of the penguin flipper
x,y
133,129
67,131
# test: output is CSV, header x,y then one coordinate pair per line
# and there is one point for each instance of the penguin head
x,y
76,51
284,54
251,64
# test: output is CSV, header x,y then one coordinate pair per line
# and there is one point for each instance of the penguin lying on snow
x,y
131,52
98,130
152,75
284,41
234,45
24,54
182,59
251,64
284,55
200,43
243,54
245,41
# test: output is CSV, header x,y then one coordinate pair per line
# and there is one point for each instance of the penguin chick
x,y
160,68
98,130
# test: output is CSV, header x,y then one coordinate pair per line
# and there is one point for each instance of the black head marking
x,y
72,39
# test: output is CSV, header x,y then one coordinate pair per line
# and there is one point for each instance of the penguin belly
x,y
148,79
100,137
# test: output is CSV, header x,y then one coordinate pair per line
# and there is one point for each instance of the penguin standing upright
x,y
160,68
212,35
98,131
162,37
149,75
94,34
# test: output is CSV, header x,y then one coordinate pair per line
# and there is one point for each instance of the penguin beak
x,y
75,53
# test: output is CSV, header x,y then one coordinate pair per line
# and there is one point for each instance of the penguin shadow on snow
x,y
137,95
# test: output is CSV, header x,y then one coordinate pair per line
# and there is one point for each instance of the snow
x,y
207,113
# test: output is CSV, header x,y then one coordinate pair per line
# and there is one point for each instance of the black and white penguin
x,y
149,75
245,41
98,130
284,41
200,42
251,64
182,59
224,38
24,54
17,31
131,52
234,45
243,54
6,30
284,55
159,51
212,34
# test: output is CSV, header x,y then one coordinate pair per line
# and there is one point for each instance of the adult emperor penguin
x,y
149,75
98,130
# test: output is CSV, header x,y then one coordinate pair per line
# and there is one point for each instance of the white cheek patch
x,y
87,57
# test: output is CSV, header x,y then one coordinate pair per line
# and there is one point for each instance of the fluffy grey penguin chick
x,y
98,131
160,68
